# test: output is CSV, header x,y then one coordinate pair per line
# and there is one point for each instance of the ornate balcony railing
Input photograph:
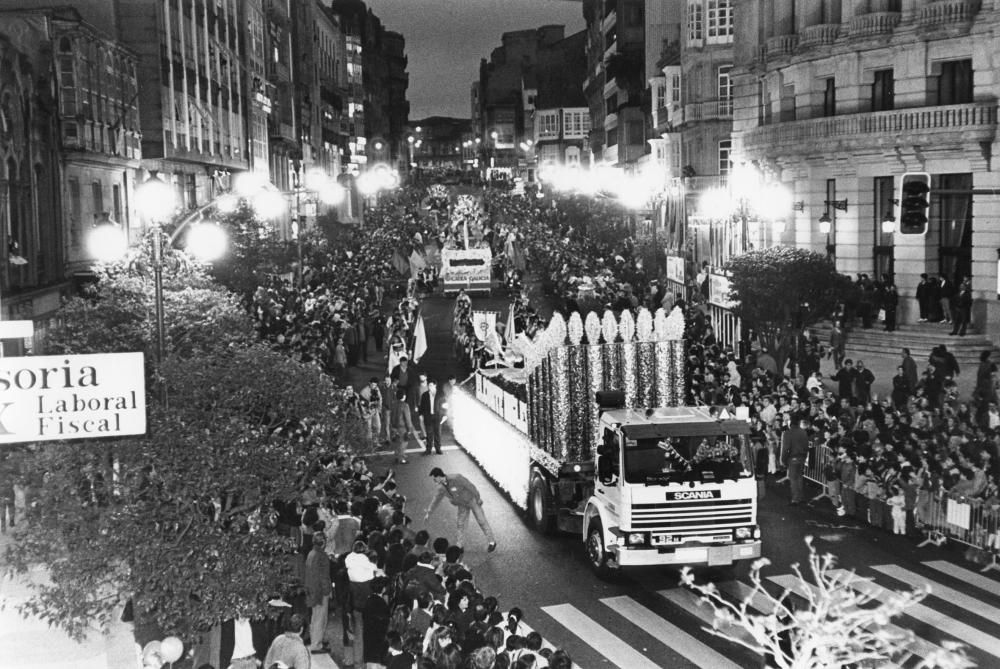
x,y
707,110
874,23
823,33
781,45
945,13
975,121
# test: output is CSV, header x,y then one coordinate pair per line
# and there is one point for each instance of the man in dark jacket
x,y
376,624
923,298
845,378
431,409
794,450
962,309
465,496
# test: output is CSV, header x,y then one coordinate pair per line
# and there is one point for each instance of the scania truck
x,y
591,439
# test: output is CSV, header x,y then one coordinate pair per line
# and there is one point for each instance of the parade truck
x,y
585,430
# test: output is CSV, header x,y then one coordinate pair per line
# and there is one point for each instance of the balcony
x,y
610,121
949,125
873,24
610,50
818,35
708,110
282,131
947,15
781,45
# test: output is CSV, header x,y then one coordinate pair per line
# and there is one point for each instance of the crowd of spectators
x,y
401,599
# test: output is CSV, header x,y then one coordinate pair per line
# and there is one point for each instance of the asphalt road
x,y
644,619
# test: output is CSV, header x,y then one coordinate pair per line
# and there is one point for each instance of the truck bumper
x,y
711,556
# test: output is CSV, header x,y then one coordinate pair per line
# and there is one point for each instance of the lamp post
x,y
156,199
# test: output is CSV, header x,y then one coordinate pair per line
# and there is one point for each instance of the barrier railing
x,y
940,516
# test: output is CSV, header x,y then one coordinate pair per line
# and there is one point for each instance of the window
x,y
694,21
829,97
725,149
612,137
116,202
659,95
725,89
763,103
882,91
548,125
76,212
97,194
720,22
675,88
635,132
954,85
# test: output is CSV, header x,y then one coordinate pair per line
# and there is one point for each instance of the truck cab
x,y
671,486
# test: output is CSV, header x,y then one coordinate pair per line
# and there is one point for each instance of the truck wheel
x,y
595,551
539,506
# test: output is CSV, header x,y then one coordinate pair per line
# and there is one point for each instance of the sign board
x,y
675,269
718,291
471,269
44,398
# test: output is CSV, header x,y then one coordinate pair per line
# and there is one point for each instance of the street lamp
x,y
156,200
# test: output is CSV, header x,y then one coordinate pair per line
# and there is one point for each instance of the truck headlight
x,y
743,532
636,539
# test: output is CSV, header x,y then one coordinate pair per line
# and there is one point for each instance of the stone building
x,y
838,100
69,152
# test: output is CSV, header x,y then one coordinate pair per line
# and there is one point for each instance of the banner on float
x,y
675,268
55,397
484,322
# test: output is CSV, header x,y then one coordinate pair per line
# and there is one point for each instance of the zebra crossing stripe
x,y
944,623
691,603
971,604
594,635
984,583
672,636
740,591
919,647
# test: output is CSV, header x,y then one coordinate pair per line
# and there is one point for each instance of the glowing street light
x,y
207,241
106,242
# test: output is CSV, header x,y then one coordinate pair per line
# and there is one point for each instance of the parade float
x,y
466,259
590,436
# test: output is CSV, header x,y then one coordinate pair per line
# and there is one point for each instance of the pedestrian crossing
x,y
673,628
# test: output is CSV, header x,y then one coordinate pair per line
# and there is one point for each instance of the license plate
x,y
691,554
722,555
661,539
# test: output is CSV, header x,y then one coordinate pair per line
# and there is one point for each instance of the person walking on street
x,y
795,449
463,495
431,411
371,408
318,586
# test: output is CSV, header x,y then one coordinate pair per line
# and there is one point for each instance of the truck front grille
x,y
710,514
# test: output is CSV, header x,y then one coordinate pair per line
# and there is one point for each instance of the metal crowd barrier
x,y
941,517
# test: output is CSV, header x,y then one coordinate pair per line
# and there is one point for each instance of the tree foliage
x,y
255,250
176,519
782,290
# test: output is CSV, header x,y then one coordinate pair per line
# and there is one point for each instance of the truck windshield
x,y
681,459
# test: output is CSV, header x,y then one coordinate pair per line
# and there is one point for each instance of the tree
x,y
177,519
255,250
780,290
837,626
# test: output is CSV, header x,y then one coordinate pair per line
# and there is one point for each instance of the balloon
x,y
171,649
151,648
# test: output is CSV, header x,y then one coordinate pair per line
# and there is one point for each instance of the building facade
x,y
560,119
616,81
70,148
839,100
504,97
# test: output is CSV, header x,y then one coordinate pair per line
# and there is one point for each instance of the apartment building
x,y
838,100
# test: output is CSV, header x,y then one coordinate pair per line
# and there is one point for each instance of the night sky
x,y
445,39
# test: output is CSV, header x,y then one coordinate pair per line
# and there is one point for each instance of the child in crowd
x,y
897,504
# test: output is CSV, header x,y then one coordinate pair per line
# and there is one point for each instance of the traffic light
x,y
914,203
